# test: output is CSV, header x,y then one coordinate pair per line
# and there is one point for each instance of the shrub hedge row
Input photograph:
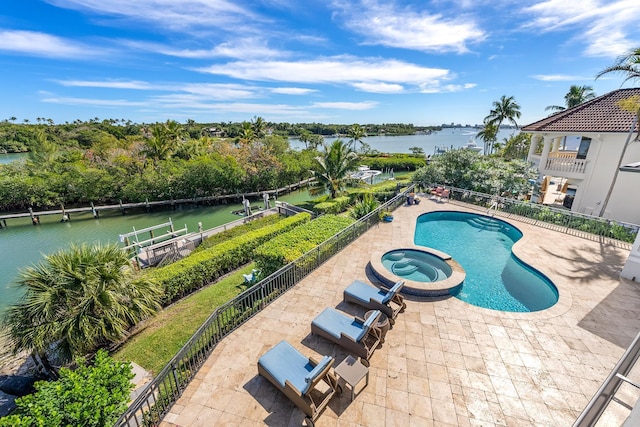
x,y
200,268
333,206
238,231
289,246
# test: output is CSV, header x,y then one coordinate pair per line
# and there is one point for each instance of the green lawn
x,y
161,337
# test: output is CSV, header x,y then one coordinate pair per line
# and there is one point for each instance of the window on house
x,y
583,148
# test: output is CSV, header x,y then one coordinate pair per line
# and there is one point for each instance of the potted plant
x,y
386,216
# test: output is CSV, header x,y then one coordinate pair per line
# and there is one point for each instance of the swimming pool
x,y
496,278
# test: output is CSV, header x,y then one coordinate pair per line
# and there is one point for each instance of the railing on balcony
x,y
566,165
564,154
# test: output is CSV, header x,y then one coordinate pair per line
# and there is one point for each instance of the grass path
x,y
160,338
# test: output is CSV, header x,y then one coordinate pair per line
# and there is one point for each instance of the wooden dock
x,y
95,210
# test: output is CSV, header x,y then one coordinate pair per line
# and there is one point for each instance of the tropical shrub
x,y
89,396
200,268
289,246
364,206
397,162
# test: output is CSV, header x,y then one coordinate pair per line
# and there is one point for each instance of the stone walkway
x,y
445,362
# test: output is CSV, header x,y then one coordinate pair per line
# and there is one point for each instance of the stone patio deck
x,y
445,362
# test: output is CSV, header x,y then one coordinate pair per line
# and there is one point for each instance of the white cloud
x,y
108,84
183,15
246,47
607,28
365,105
379,87
335,70
94,102
292,90
559,77
44,45
388,25
445,88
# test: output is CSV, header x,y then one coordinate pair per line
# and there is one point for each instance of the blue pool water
x,y
416,265
496,279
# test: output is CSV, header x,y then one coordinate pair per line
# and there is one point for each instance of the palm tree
x,y
576,96
78,300
355,134
488,134
506,108
331,169
258,127
628,64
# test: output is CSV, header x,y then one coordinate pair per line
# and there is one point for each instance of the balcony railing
x,y
566,165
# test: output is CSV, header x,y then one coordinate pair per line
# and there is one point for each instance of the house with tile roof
x,y
585,174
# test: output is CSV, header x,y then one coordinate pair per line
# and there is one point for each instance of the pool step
x,y
404,270
485,223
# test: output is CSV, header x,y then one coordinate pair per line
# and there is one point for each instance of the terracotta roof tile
x,y
601,114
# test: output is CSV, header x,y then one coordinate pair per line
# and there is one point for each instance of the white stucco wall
x,y
603,157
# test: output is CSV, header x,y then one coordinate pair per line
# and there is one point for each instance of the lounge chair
x,y
297,377
352,333
437,192
388,302
445,194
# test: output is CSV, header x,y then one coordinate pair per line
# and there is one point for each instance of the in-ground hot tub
x,y
416,265
425,271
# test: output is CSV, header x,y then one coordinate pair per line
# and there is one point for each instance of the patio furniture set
x,y
310,384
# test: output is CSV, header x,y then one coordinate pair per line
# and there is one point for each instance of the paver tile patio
x,y
445,362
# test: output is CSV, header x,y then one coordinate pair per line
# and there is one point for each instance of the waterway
x,y
23,244
446,138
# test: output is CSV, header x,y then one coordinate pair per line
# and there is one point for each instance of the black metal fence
x,y
153,403
587,226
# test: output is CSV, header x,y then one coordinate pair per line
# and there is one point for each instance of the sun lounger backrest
x,y
311,376
367,324
394,290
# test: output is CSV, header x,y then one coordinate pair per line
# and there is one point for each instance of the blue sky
x,y
369,61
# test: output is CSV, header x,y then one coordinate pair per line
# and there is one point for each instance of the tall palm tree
x,y
331,169
355,134
258,126
488,134
628,65
576,96
505,109
78,300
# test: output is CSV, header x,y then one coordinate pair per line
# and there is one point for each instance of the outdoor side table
x,y
352,372
382,323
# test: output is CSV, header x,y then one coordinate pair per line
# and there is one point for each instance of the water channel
x,y
22,244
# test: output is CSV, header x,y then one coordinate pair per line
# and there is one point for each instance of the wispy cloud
x,y
559,77
607,28
108,84
183,15
292,90
372,74
94,102
44,45
388,25
244,47
365,105
437,88
379,87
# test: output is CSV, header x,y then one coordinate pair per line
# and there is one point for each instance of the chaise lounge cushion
x,y
365,293
284,363
337,324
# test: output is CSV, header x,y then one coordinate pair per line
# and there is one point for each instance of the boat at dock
x,y
472,145
364,173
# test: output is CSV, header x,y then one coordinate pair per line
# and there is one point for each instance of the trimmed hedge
x,y
333,206
238,231
200,268
289,246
